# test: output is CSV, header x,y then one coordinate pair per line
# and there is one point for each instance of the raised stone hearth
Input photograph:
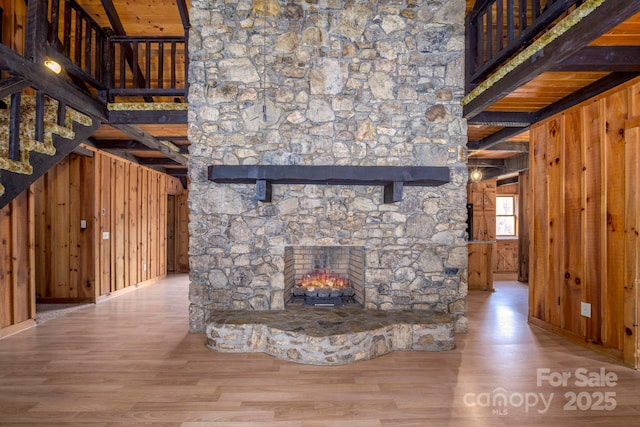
x,y
322,336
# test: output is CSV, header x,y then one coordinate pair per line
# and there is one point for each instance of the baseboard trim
x,y
18,327
114,294
611,353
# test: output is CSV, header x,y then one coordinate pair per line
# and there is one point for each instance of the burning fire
x,y
323,280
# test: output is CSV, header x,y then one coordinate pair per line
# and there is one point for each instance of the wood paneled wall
x,y
65,251
584,234
17,294
125,239
45,251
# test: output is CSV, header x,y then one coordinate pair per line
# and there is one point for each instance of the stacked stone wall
x,y
327,83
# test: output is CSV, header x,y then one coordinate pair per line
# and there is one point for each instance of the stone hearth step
x,y
329,336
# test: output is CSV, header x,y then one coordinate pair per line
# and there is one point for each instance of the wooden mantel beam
x,y
393,178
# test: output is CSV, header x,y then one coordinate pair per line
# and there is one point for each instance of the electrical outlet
x,y
83,224
105,235
585,309
144,267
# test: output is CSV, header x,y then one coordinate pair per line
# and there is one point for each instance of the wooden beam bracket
x,y
392,178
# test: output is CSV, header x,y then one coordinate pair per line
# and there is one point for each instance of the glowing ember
x,y
323,280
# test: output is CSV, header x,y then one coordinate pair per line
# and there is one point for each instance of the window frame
x,y
514,199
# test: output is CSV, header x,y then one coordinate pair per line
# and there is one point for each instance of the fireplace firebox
x,y
324,275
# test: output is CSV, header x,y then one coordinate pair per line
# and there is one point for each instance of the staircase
x,y
36,132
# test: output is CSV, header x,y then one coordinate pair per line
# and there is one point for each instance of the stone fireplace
x,y
317,88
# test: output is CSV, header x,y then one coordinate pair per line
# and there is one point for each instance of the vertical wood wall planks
x,y
524,217
87,239
124,242
103,179
615,107
571,293
171,233
632,239
17,294
538,280
6,267
594,192
119,230
182,251
60,228
74,224
555,193
144,226
134,236
595,218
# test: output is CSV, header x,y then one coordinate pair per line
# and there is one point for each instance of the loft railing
x,y
113,65
498,29
159,66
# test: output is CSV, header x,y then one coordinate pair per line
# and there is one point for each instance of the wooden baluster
x,y
14,127
160,64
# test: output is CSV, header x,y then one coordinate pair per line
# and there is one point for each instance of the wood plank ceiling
x,y
582,75
491,143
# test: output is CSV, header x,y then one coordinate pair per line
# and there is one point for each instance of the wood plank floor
x,y
129,361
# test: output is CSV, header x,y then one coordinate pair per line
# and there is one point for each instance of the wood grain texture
x,y
480,266
114,196
129,361
17,296
632,237
483,197
524,221
585,159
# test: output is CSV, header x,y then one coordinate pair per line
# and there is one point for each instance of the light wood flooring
x,y
129,361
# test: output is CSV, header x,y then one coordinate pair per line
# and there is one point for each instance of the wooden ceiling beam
x,y
502,118
603,58
502,167
157,161
165,147
114,18
119,144
118,28
486,163
495,139
184,14
148,116
128,145
177,171
604,18
509,147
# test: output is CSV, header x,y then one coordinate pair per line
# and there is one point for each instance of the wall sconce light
x,y
475,175
53,65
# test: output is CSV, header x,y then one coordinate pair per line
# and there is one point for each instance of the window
x,y
506,224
